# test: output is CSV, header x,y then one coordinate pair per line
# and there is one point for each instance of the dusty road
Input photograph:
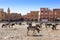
x,y
19,32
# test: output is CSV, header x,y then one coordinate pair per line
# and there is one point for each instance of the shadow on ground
x,y
38,35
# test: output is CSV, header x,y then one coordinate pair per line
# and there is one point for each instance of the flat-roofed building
x,y
44,14
56,13
33,15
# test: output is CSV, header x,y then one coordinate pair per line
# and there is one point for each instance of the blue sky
x,y
25,6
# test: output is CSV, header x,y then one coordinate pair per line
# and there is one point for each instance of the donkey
x,y
6,25
54,25
48,24
12,25
33,28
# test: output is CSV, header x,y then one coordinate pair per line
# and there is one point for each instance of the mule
x,y
12,25
48,24
6,25
33,28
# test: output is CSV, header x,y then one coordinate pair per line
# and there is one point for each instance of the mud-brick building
x,y
56,13
2,14
9,16
33,15
44,14
51,15
15,16
12,16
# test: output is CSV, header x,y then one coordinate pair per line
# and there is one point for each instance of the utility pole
x,y
39,16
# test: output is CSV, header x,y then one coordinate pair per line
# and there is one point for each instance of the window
x,y
32,15
41,11
2,15
46,11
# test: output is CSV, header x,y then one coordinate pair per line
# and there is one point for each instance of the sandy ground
x,y
19,32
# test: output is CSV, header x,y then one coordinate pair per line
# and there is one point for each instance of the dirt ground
x,y
19,32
